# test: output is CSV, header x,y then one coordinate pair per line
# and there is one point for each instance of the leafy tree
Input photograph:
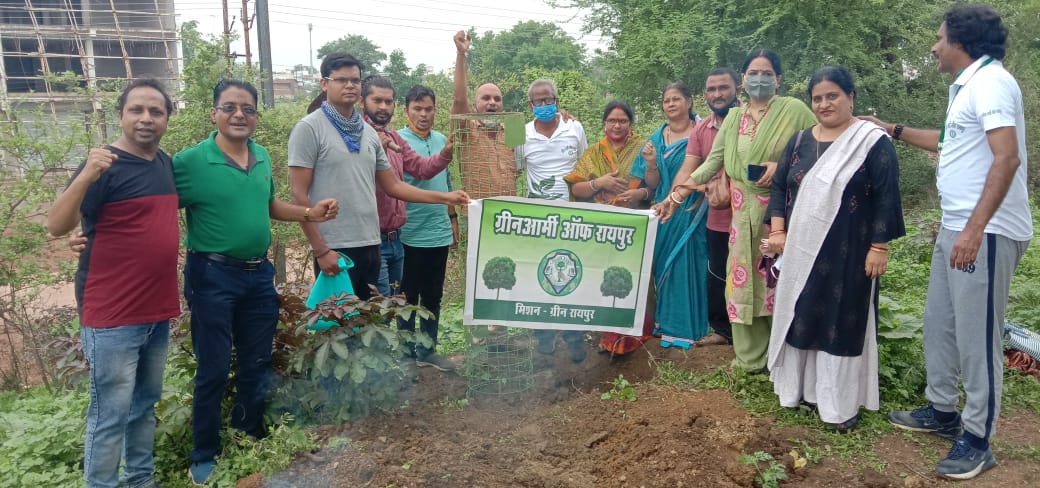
x,y
360,46
397,70
499,273
617,283
527,45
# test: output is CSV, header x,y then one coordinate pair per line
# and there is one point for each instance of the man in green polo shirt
x,y
226,188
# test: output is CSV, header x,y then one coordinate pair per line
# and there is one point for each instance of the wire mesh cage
x,y
500,366
484,160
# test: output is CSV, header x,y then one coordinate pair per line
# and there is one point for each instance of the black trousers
x,y
423,284
718,253
365,272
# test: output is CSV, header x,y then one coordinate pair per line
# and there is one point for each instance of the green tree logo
x,y
499,273
617,283
560,272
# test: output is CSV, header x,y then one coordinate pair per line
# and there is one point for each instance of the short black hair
x,y
378,81
732,73
977,29
624,108
145,82
763,53
226,83
335,61
417,93
834,74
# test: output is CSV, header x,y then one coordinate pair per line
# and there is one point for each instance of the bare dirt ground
x,y
562,435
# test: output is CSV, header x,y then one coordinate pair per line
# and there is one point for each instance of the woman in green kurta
x,y
752,135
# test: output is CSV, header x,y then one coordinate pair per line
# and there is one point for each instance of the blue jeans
x,y
126,372
229,306
391,268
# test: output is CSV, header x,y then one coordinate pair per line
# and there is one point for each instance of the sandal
x,y
844,427
713,340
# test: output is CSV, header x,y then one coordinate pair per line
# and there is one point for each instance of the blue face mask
x,y
545,113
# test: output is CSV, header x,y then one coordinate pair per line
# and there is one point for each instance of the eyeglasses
x,y
345,81
230,109
617,122
541,102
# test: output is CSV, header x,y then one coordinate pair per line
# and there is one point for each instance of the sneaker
x,y
965,462
200,472
923,420
438,362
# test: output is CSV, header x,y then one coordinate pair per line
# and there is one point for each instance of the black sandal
x,y
844,427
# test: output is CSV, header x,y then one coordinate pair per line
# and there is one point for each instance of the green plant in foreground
x,y
622,390
772,475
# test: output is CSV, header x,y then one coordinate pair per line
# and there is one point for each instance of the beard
x,y
379,118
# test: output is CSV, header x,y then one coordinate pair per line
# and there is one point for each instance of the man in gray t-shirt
x,y
334,154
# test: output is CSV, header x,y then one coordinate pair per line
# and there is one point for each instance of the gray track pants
x,y
963,327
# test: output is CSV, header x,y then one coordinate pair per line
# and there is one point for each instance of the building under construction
x,y
98,41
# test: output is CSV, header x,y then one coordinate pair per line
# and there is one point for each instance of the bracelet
x,y
453,216
307,214
897,132
319,256
776,232
878,249
674,199
647,193
592,184
654,169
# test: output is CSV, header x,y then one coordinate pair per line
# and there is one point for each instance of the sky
x,y
423,29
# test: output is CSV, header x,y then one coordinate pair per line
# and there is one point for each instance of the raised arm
x,y
65,214
460,105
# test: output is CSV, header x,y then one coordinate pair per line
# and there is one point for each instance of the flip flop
x,y
713,340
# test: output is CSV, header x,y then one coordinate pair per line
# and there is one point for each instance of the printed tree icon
x,y
500,272
617,283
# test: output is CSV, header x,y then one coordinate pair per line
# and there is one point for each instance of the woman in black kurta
x,y
823,348
831,312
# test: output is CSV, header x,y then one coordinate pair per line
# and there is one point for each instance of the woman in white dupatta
x,y
834,207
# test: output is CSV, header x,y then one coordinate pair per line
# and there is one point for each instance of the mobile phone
x,y
755,172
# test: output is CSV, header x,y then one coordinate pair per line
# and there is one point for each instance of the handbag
x,y
717,191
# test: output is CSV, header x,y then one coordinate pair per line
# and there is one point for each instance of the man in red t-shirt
x,y
126,285
720,91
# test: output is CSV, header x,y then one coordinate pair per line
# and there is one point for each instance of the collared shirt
x,y
699,145
428,224
393,212
982,99
226,207
551,158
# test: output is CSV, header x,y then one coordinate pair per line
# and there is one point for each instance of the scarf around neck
x,y
349,128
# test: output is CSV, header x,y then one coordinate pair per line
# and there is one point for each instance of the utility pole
x,y
263,34
246,25
227,37
310,45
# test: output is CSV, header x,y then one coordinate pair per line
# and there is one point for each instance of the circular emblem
x,y
559,273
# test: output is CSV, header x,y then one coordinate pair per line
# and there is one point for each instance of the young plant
x,y
622,390
774,471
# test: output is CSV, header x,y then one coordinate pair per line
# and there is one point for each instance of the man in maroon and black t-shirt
x,y
126,285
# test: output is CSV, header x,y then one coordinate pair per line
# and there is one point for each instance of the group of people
x,y
786,271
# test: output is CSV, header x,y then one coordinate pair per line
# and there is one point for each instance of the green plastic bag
x,y
329,286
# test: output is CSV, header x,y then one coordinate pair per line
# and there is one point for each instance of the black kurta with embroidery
x,y
830,314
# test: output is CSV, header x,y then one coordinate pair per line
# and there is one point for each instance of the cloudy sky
x,y
421,28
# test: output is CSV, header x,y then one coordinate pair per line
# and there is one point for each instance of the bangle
x,y
672,196
453,216
654,169
878,249
319,256
592,184
307,214
776,232
647,193
897,132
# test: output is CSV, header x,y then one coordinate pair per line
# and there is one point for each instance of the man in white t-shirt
x,y
551,148
986,227
552,145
